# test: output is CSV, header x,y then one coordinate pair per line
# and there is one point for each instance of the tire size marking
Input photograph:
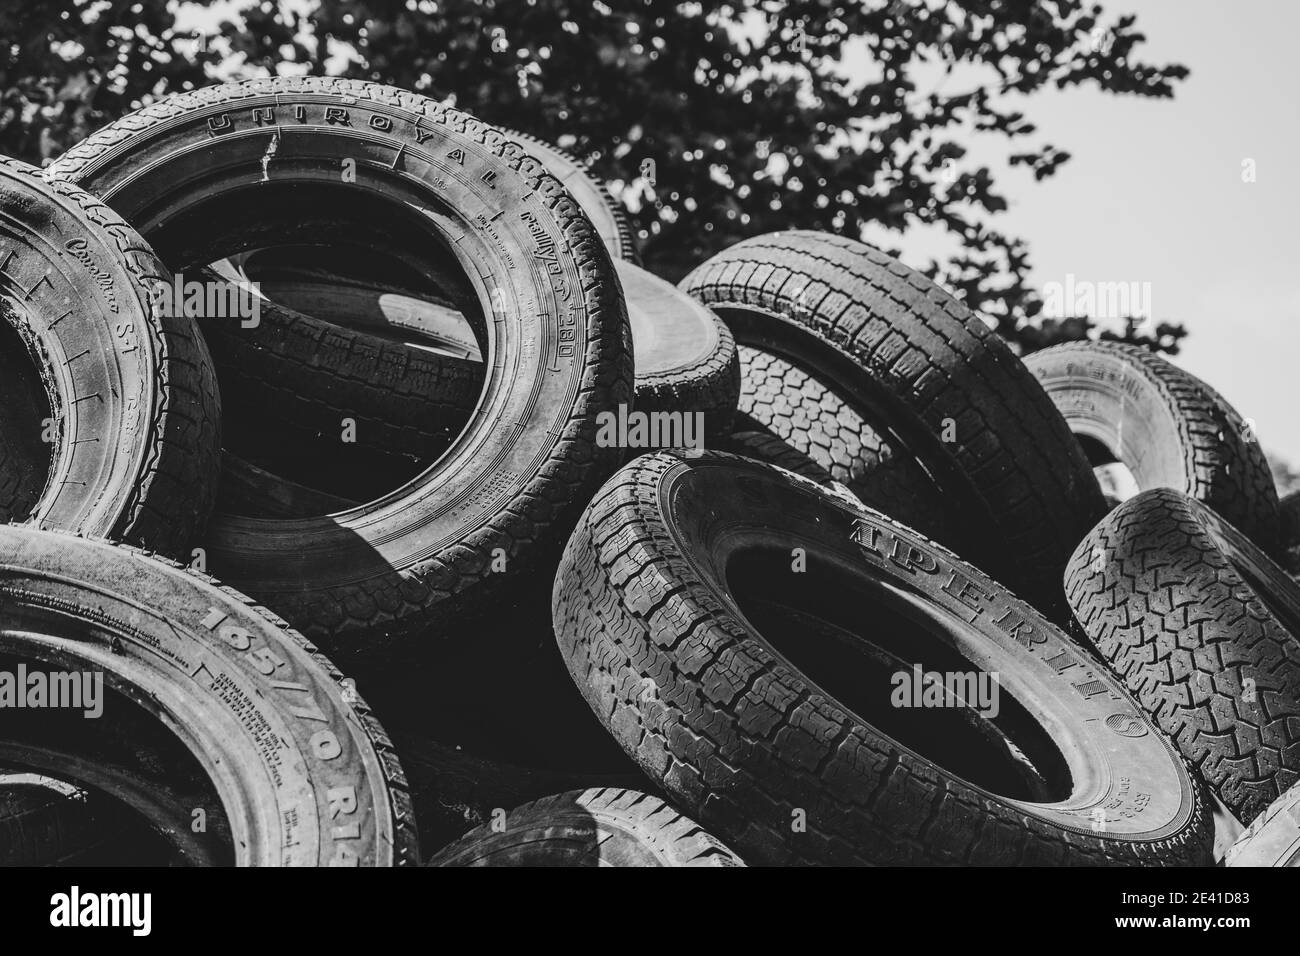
x,y
324,743
1126,803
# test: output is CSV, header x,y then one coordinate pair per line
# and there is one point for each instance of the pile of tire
x,y
831,567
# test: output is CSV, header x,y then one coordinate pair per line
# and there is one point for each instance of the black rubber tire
x,y
412,321
803,412
686,357
1185,609
516,479
605,212
649,615
255,492
598,827
131,391
917,364
763,445
314,374
307,777
452,789
1273,839
1167,426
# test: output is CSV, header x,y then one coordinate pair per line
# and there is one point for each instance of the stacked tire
x,y
828,565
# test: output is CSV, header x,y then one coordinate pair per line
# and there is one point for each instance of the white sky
x,y
1153,193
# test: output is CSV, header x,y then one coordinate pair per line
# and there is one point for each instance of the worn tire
x,y
313,374
764,445
686,358
1273,839
131,391
803,412
45,821
599,827
1187,610
1167,426
919,366
415,322
652,610
306,777
517,477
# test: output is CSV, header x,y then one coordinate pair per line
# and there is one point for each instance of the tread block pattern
x,y
937,369
791,405
313,374
1196,643
743,742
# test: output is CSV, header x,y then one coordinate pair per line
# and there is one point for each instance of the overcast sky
x,y
1154,194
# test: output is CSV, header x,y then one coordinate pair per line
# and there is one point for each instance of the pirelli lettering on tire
x,y
879,543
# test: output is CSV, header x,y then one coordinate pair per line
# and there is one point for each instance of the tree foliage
x,y
715,121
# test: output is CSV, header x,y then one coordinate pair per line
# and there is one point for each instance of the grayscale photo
x,y
650,433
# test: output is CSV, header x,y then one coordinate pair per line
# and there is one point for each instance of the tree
x,y
715,121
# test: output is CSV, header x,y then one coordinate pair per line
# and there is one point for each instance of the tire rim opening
x,y
158,806
323,461
860,643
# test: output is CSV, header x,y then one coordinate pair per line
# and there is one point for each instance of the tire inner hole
x,y
352,249
851,638
153,804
